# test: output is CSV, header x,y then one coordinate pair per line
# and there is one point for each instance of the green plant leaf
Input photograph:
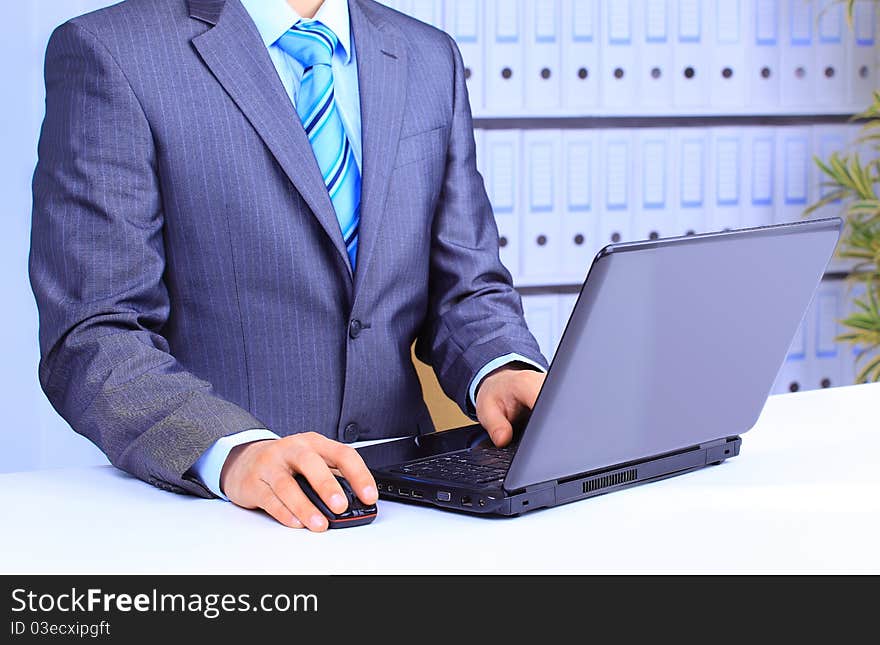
x,y
870,372
851,182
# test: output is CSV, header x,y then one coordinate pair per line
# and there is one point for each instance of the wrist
x,y
233,457
514,366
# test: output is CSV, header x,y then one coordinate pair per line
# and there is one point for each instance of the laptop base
x,y
496,501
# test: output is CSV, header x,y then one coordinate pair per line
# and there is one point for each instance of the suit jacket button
x,y
352,432
354,328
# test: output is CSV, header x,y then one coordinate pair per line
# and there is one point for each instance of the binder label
x,y
466,21
503,181
617,175
727,172
582,20
619,22
541,177
691,173
762,172
545,21
766,24
831,22
506,21
801,15
579,174
654,175
864,23
689,21
727,21
655,21
795,179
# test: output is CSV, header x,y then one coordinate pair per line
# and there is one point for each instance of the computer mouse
x,y
356,514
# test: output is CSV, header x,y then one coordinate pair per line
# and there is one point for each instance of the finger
x,y
527,387
291,495
496,423
313,467
278,510
352,466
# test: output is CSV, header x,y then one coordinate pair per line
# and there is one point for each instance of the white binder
x,y
690,55
653,218
502,152
429,11
465,23
758,173
728,71
798,54
794,173
580,54
764,69
826,364
690,158
831,67
505,78
725,186
653,35
615,216
541,241
566,303
541,312
580,241
863,67
618,56
543,66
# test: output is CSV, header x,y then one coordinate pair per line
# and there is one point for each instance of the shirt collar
x,y
274,17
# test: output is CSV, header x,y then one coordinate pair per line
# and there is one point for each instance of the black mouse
x,y
356,514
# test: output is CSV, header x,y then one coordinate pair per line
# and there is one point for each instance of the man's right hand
x,y
260,475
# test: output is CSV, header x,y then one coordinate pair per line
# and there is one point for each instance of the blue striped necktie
x,y
312,44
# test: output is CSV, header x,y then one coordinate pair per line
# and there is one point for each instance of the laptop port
x,y
466,501
418,494
403,492
444,496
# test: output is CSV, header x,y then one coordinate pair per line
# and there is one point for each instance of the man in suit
x,y
245,212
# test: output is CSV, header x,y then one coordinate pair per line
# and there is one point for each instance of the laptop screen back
x,y
672,343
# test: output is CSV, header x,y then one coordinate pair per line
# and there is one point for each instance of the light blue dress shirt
x,y
272,19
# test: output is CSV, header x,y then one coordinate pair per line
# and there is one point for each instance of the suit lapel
x,y
382,74
234,52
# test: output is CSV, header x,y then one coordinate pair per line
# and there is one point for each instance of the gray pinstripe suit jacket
x,y
187,262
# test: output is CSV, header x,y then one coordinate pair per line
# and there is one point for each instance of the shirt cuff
x,y
210,464
491,366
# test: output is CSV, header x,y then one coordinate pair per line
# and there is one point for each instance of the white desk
x,y
803,496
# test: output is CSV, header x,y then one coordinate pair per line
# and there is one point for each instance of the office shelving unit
x,y
575,36
606,120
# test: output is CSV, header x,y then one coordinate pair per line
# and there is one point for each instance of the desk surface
x,y
803,496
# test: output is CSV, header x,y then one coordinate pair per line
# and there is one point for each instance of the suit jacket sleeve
x,y
96,267
475,314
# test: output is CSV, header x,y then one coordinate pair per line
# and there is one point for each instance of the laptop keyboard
x,y
482,465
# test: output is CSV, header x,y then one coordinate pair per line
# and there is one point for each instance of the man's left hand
x,y
505,397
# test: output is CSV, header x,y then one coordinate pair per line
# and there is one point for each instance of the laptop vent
x,y
611,480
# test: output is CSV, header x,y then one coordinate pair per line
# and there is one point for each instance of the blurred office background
x,y
596,121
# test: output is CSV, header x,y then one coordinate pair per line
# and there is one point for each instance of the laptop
x,y
668,357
